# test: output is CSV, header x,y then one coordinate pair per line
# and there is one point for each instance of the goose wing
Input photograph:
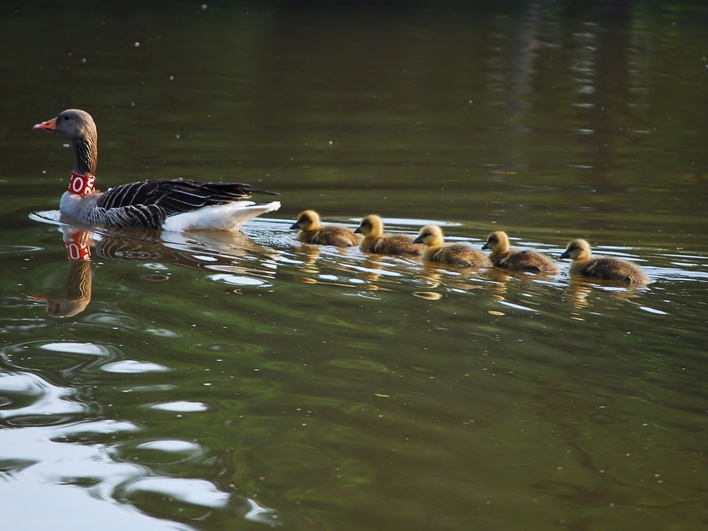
x,y
174,196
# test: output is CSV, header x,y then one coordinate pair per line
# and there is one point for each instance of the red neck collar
x,y
78,245
81,184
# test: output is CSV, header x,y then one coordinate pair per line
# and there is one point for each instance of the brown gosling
x,y
605,267
375,241
516,260
436,250
311,231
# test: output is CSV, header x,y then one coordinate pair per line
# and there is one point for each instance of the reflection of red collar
x,y
81,184
78,247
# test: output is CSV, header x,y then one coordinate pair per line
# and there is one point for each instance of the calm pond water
x,y
210,381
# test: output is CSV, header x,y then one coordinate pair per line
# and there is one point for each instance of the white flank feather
x,y
230,216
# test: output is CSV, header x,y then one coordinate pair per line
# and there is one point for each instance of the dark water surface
x,y
213,381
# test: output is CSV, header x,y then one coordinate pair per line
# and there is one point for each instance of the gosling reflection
x,y
232,253
580,290
450,277
372,268
309,258
498,283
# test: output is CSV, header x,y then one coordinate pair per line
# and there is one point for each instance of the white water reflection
x,y
133,367
169,446
42,399
193,491
69,347
44,465
67,507
181,406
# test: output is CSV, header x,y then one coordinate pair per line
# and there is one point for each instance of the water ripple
x,y
133,367
33,397
193,491
181,406
68,507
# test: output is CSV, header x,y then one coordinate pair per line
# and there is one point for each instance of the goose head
x,y
73,124
77,126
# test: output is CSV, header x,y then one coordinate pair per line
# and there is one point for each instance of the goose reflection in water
x,y
77,285
232,253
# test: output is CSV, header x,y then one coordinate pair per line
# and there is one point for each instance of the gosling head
x,y
577,249
497,241
430,235
371,226
307,220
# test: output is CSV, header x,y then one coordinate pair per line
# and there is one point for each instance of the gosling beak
x,y
418,240
357,230
295,225
564,255
485,246
49,125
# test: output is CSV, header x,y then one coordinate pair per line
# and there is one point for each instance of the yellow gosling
x,y
311,231
375,241
436,250
606,268
516,260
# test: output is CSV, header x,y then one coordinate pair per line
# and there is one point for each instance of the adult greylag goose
x,y
311,231
436,250
375,241
607,268
517,260
173,205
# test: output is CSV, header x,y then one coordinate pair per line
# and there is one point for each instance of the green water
x,y
211,381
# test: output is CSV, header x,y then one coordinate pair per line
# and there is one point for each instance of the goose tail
x,y
230,216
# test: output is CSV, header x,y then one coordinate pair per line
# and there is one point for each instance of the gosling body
x,y
311,231
458,254
605,267
376,241
517,260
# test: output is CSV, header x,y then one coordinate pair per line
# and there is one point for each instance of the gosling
x,y
375,241
311,231
606,267
516,260
452,253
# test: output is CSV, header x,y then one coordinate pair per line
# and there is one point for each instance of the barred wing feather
x,y
174,196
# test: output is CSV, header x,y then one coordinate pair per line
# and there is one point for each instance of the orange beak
x,y
49,125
